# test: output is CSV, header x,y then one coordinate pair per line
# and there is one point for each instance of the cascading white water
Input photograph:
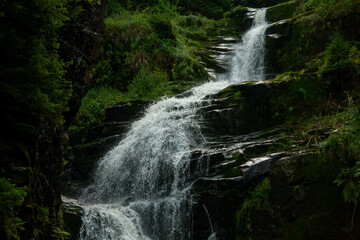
x,y
141,187
144,179
248,62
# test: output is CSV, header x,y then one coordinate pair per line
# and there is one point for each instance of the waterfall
x,y
141,187
248,61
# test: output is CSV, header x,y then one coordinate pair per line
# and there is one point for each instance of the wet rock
x,y
242,108
73,212
87,135
259,166
126,111
81,163
276,37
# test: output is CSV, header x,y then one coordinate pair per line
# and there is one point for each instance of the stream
x,y
141,188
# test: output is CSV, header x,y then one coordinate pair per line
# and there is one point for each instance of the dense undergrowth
x,y
153,49
337,68
33,98
146,54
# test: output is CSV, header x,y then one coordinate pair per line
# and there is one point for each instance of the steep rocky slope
x,y
268,175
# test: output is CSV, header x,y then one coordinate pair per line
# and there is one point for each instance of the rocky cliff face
x,y
267,176
264,181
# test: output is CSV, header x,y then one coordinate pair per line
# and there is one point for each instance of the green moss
x,y
149,85
212,8
301,97
92,109
330,9
11,197
344,147
236,18
239,158
233,172
258,199
237,95
280,11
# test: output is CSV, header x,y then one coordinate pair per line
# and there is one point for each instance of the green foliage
x,y
152,39
139,5
280,11
336,54
60,234
149,85
114,7
344,146
146,54
43,214
258,199
103,74
349,180
33,72
93,105
236,17
341,62
33,98
331,8
318,22
211,8
301,97
11,197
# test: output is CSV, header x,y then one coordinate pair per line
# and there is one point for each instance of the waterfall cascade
x,y
141,187
248,62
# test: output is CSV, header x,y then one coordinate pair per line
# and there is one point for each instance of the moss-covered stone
x,y
280,12
247,107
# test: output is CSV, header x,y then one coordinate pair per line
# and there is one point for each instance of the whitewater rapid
x,y
141,188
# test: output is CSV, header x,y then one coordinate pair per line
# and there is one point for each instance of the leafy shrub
x,y
149,85
258,199
211,8
336,54
238,15
344,147
341,62
332,8
93,105
11,197
156,38
114,7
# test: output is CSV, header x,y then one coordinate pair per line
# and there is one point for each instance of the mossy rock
x,y
280,12
126,111
253,106
81,136
73,212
